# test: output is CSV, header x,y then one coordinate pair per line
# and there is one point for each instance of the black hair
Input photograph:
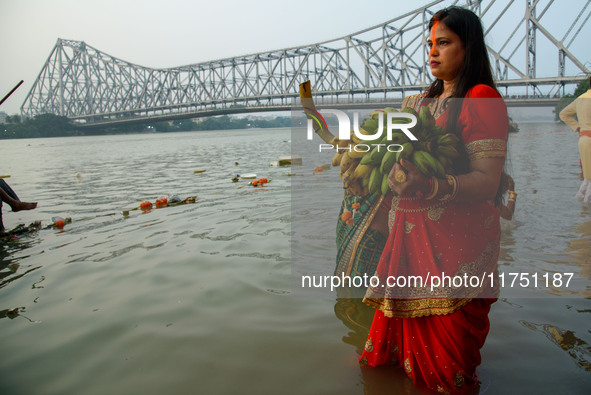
x,y
476,68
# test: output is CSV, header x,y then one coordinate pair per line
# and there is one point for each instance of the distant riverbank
x,y
49,125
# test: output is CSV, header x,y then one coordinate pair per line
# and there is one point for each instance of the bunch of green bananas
x,y
366,171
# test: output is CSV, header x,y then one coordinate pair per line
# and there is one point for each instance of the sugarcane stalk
x,y
308,103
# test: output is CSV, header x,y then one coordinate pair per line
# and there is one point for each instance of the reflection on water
x,y
576,348
179,299
10,258
356,316
579,249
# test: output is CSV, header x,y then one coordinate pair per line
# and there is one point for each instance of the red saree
x,y
435,331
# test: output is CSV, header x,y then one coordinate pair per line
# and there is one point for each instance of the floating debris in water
x,y
146,206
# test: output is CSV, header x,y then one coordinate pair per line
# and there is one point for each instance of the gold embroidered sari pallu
x,y
440,255
438,265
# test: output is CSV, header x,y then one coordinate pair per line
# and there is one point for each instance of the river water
x,y
198,298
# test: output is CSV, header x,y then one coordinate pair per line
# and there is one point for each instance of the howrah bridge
x,y
536,60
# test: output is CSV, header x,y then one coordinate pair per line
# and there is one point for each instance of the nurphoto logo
x,y
393,122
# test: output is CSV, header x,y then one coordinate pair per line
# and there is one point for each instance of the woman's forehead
x,y
440,30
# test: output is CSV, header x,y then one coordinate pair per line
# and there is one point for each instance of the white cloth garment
x,y
584,193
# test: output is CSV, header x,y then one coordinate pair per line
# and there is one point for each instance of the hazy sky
x,y
173,32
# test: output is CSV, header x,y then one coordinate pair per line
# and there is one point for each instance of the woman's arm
x,y
567,115
483,124
507,211
480,184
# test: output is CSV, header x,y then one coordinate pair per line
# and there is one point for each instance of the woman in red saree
x,y
444,227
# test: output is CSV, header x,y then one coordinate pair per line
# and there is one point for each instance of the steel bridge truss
x,y
384,62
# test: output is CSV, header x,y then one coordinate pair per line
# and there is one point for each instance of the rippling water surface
x,y
197,298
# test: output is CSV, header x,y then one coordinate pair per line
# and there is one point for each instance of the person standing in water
x,y
577,115
445,226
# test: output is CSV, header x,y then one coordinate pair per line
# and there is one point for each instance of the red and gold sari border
x,y
491,148
422,300
413,308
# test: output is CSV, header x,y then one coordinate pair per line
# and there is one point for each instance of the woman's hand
x,y
413,181
510,183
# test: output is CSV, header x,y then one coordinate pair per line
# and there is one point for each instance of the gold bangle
x,y
457,186
434,188
452,181
512,195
